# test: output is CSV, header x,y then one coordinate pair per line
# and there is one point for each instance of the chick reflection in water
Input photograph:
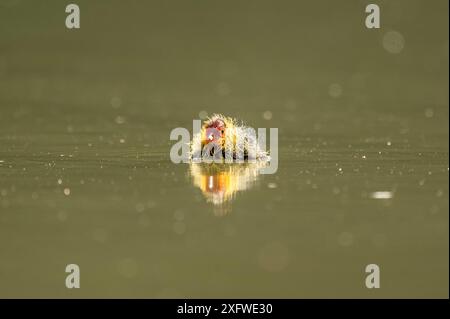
x,y
220,183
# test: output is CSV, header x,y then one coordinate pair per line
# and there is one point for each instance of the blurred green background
x,y
85,174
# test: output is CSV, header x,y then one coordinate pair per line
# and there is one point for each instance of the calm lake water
x,y
85,174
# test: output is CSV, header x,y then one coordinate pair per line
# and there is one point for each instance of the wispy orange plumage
x,y
223,133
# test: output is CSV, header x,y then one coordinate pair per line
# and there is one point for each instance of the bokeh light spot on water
x,y
336,190
434,210
203,115
127,267
291,105
345,239
273,257
140,207
429,113
393,42
335,90
120,119
267,115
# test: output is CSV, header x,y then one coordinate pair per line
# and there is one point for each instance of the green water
x,y
85,174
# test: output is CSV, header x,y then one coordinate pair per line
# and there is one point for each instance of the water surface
x,y
85,174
